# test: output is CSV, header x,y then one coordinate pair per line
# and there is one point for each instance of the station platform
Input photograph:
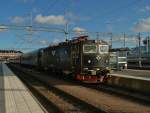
x,y
14,96
141,74
136,80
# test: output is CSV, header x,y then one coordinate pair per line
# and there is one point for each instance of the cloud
x,y
17,20
43,42
57,40
142,25
3,28
79,29
51,19
145,9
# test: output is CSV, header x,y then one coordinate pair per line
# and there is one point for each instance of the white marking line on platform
x,y
135,70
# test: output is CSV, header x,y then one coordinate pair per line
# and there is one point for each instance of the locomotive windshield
x,y
103,48
90,49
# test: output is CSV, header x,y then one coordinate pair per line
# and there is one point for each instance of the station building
x,y
9,54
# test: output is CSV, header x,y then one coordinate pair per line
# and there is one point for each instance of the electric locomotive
x,y
83,59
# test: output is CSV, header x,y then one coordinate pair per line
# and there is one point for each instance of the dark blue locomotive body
x,y
83,59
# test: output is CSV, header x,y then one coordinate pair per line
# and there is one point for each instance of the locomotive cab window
x,y
90,49
103,49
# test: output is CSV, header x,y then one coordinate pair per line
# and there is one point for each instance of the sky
x,y
104,16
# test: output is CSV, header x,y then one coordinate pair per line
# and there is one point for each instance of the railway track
x,y
118,91
129,94
105,101
123,93
114,90
53,99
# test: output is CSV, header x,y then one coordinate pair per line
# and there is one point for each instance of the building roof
x,y
10,51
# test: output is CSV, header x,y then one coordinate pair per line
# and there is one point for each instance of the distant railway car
x,y
118,58
14,60
85,60
31,58
139,58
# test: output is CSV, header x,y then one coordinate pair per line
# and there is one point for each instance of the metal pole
x,y
111,41
124,42
140,65
66,30
147,44
117,56
97,34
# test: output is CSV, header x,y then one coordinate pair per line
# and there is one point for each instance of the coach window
x,y
103,49
90,49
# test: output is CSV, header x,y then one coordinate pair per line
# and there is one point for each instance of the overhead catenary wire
x,y
47,29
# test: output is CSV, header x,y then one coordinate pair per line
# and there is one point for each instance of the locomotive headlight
x,y
89,61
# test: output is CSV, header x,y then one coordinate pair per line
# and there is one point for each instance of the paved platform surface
x,y
131,73
14,96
